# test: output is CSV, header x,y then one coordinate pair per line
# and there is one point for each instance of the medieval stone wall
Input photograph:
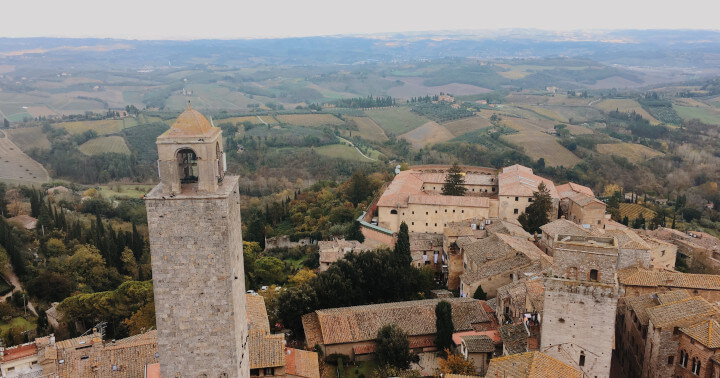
x,y
579,319
576,262
198,276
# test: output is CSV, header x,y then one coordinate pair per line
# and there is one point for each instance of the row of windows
x,y
393,211
684,356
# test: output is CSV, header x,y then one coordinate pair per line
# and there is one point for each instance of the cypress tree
x,y
402,246
444,326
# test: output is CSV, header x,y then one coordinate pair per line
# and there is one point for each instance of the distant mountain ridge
x,y
679,48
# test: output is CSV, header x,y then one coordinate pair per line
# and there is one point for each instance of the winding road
x,y
353,145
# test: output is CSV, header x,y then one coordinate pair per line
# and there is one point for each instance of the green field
x,y
367,129
319,119
705,115
102,127
627,106
23,323
635,153
125,190
341,151
397,120
101,145
29,137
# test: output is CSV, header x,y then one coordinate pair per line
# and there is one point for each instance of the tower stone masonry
x,y
197,256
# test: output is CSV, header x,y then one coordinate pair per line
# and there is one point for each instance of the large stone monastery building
x,y
415,197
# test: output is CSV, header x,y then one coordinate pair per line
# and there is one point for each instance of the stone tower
x,y
578,321
197,256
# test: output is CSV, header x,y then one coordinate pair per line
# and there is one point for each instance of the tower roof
x,y
190,123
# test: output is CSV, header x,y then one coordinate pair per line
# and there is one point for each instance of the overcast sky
x,y
185,19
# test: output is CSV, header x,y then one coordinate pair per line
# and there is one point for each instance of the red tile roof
x,y
18,352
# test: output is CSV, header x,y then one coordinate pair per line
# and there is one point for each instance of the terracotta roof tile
x,y
256,312
567,190
302,363
707,333
636,276
18,352
514,338
520,181
564,227
361,323
266,350
478,343
530,365
681,313
584,199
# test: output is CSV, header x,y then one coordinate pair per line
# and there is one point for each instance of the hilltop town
x,y
450,269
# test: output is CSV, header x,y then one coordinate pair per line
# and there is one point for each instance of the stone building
x,y
197,257
637,281
352,330
334,250
530,365
458,235
479,350
498,260
663,332
267,351
557,227
407,200
521,301
631,329
516,186
699,347
580,298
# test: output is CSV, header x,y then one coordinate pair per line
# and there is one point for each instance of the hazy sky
x,y
184,19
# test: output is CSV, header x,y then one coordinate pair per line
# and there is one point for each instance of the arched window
x,y
593,275
582,359
187,165
697,368
393,211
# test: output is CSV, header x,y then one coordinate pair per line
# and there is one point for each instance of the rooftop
x,y
571,188
681,313
478,344
518,180
514,338
565,227
707,333
256,312
191,123
530,364
636,276
583,199
18,352
301,363
361,323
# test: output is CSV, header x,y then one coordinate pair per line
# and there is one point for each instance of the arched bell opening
x,y
187,165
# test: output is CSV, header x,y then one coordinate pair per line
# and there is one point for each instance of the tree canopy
x,y
538,213
393,347
454,182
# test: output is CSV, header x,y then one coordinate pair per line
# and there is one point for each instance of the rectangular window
x,y
517,199
530,199
515,211
671,360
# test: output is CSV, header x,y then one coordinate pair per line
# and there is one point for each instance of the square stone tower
x,y
578,321
197,255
